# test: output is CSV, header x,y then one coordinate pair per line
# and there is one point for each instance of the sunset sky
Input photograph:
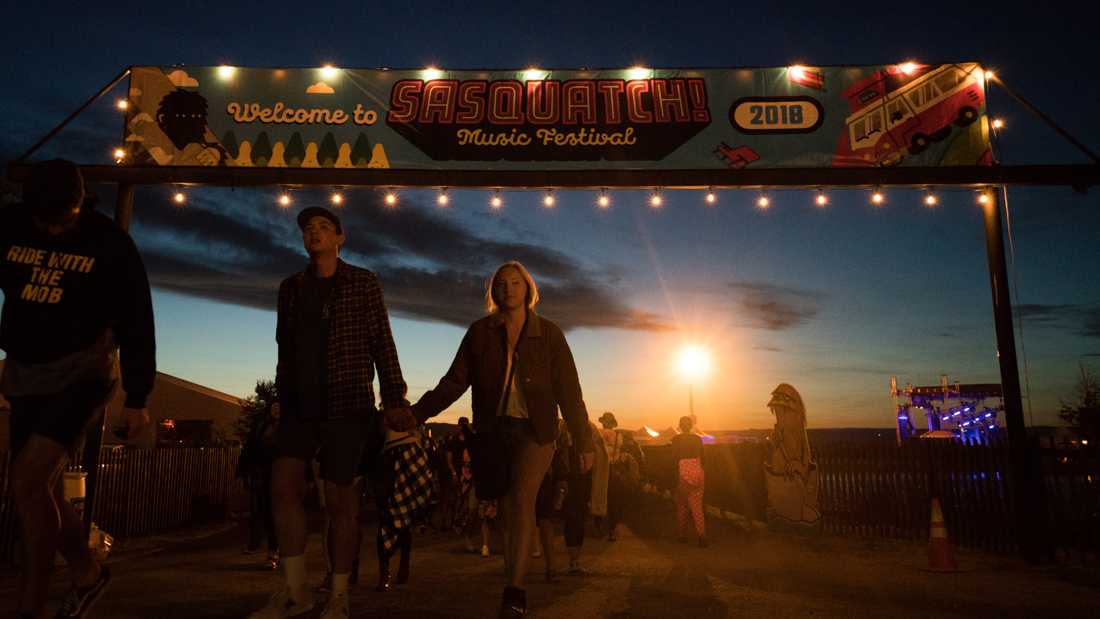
x,y
833,301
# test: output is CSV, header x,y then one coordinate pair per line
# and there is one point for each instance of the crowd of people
x,y
78,319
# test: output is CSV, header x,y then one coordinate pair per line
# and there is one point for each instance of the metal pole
x,y
691,401
124,207
70,117
1048,120
1025,478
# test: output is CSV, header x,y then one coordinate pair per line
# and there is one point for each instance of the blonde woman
x,y
521,371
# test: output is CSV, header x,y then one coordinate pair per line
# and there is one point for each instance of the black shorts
x,y
62,417
336,443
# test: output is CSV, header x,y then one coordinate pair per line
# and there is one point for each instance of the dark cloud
x,y
776,308
432,269
1082,319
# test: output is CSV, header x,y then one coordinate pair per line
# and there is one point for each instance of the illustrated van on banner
x,y
672,119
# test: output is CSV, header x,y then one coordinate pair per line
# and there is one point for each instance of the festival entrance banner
x,y
623,119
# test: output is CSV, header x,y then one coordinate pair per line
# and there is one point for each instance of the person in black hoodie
x,y
76,302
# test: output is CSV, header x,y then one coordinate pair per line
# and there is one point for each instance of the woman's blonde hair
x,y
491,305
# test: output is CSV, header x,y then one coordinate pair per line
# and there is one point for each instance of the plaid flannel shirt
x,y
359,340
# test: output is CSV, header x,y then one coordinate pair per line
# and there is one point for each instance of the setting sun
x,y
693,362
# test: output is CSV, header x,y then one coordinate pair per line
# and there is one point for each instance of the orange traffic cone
x,y
941,555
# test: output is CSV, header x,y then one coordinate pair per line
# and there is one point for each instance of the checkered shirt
x,y
359,340
411,493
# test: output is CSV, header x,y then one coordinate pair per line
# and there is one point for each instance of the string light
x,y
119,155
328,71
391,198
908,68
226,72
656,200
179,197
548,200
533,74
797,72
763,202
930,199
990,76
998,123
603,200
337,198
711,197
983,197
821,199
877,198
123,104
638,73
284,199
431,73
443,199
496,201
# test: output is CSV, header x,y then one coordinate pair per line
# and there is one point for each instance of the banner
x,y
669,119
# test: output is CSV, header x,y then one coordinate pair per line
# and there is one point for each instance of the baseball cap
x,y
316,211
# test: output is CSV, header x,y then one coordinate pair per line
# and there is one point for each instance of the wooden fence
x,y
142,491
882,490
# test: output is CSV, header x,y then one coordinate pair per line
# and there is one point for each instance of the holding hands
x,y
400,419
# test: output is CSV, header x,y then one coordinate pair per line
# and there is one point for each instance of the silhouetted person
x,y
333,332
521,371
687,450
75,296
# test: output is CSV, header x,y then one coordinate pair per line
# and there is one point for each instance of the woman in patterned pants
x,y
687,449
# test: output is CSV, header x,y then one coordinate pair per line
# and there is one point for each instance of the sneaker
x,y
81,599
485,551
282,605
513,603
337,607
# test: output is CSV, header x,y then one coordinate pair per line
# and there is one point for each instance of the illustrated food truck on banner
x,y
903,109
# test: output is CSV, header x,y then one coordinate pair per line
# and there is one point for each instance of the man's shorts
x,y
336,443
62,417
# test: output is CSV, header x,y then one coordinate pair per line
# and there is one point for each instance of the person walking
x,y
77,308
254,468
333,333
687,449
521,370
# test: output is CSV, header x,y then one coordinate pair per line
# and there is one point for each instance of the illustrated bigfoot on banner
x,y
182,117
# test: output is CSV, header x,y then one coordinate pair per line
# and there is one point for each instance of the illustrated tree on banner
x,y
328,152
360,152
295,150
261,151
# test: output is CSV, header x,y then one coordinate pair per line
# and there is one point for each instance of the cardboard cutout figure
x,y
791,475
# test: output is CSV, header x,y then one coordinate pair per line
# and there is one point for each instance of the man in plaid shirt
x,y
333,332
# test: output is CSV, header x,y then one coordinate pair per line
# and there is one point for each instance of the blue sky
x,y
834,301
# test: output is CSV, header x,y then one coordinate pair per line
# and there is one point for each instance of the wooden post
x,y
93,441
124,205
1025,476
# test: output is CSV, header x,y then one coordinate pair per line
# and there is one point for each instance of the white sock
x,y
294,568
340,584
